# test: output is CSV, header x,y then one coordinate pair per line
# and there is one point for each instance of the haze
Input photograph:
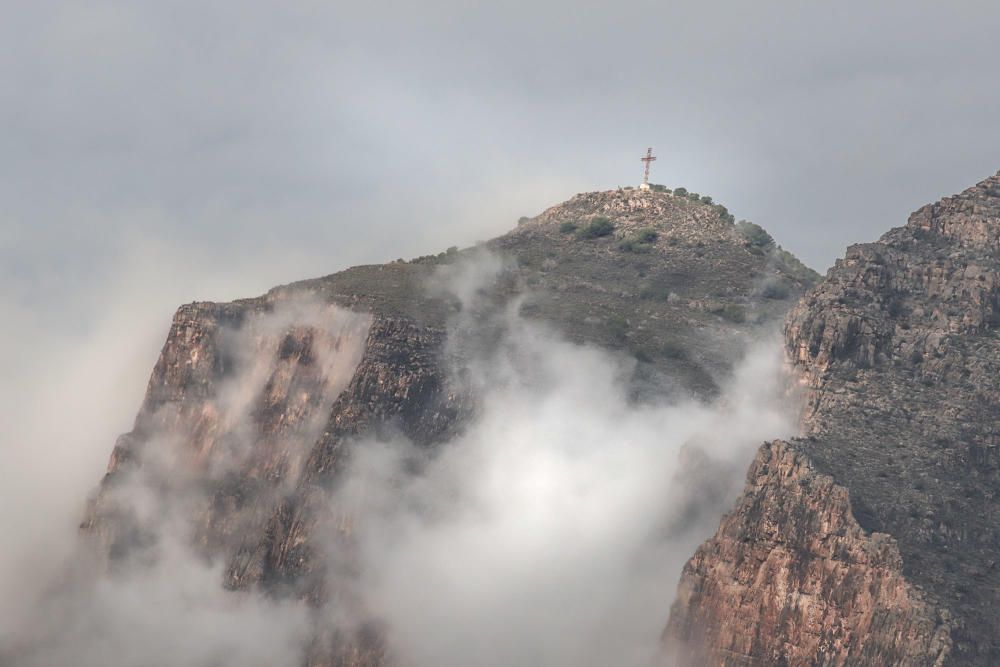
x,y
157,153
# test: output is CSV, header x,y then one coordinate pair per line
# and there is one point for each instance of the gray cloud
x,y
380,129
553,530
160,600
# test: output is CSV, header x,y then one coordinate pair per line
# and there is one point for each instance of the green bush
x,y
657,187
640,240
631,245
732,312
680,192
776,291
617,327
655,292
791,264
706,199
596,228
645,235
754,235
673,350
567,227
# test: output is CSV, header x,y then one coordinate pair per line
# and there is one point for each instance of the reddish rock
x,y
899,351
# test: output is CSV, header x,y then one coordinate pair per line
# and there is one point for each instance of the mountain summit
x,y
254,407
873,538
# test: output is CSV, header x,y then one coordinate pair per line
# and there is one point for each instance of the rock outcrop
x,y
254,406
792,578
899,351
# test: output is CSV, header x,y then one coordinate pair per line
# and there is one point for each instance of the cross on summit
x,y
645,172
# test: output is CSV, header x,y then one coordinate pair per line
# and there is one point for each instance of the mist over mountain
x,y
631,428
871,538
508,453
331,473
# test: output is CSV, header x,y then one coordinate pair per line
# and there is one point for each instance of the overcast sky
x,y
153,153
321,134
182,150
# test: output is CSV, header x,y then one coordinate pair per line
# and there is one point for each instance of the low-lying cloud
x,y
551,531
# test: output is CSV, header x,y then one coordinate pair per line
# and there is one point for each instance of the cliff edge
x,y
899,351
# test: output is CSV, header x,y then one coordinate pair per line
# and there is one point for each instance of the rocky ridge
x,y
899,351
256,404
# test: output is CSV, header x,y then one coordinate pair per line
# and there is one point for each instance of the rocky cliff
x,y
253,407
872,539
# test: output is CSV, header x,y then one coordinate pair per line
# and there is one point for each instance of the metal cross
x,y
645,172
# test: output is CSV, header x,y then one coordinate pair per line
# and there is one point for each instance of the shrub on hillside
x,y
754,235
791,264
596,228
776,291
732,312
567,227
617,327
673,350
680,192
640,240
630,245
655,292
645,235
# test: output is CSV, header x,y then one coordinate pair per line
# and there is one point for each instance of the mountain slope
x,y
253,406
899,350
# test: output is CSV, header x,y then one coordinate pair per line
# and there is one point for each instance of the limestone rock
x,y
899,351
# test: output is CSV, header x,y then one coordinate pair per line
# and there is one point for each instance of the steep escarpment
x,y
254,407
791,578
899,351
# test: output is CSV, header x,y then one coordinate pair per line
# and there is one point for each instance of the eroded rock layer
x,y
899,349
791,578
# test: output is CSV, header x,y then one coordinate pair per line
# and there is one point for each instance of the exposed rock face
x,y
899,351
256,404
792,578
236,392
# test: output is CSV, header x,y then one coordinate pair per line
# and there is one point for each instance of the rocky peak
x,y
632,209
267,399
899,350
970,218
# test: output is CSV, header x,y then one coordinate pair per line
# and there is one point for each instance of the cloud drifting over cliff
x,y
553,530
164,604
550,531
